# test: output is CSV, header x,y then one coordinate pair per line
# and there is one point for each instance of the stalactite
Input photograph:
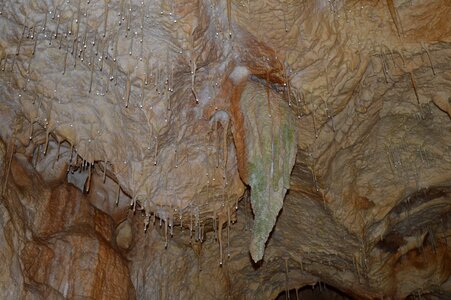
x,y
69,32
118,194
193,78
105,22
58,151
414,85
104,170
146,222
228,230
202,233
142,24
314,122
133,204
146,73
329,115
190,226
50,38
20,40
116,42
166,233
102,57
181,220
11,146
127,90
384,68
130,51
57,26
44,27
88,182
65,59
314,179
171,224
92,74
287,292
287,82
36,34
71,154
5,61
225,151
171,80
215,229
268,93
121,12
46,140
429,56
229,16
395,17
142,93
61,42
221,221
74,51
156,151
217,142
129,19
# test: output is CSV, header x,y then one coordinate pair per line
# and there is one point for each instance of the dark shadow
x,y
318,292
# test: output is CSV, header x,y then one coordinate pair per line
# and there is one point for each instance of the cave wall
x,y
224,150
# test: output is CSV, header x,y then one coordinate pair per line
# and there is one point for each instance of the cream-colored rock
x,y
149,102
124,235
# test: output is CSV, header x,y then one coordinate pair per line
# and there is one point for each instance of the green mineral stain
x,y
271,150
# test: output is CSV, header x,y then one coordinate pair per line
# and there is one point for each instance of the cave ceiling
x,y
308,138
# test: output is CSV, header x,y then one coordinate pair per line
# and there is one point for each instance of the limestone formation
x,y
225,149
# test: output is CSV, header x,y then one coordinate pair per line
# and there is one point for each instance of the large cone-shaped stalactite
x,y
270,149
225,149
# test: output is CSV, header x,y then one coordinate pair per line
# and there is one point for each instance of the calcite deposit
x,y
225,149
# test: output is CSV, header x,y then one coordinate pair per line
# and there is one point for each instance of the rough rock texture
x,y
54,244
224,149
